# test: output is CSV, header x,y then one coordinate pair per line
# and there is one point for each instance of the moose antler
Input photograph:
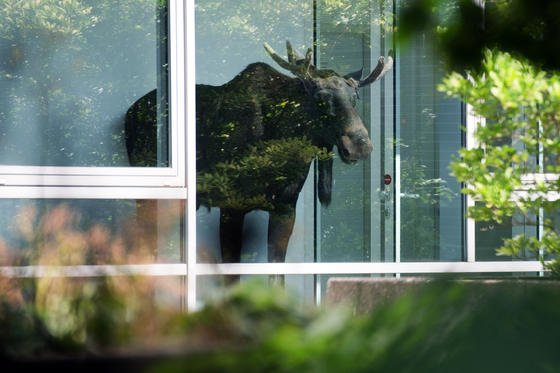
x,y
297,64
293,55
380,70
303,67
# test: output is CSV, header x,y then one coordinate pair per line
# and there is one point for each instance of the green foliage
x,y
257,21
521,106
54,18
445,326
242,183
53,315
353,16
420,194
525,28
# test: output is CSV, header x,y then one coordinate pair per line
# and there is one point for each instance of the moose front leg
x,y
231,235
279,231
231,238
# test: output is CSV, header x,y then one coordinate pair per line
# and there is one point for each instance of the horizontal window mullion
x,y
92,180
180,269
92,177
365,268
539,177
533,195
8,171
92,192
176,269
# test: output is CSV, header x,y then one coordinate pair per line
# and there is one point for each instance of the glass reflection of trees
x,y
80,232
68,72
257,135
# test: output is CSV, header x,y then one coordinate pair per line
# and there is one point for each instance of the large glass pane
x,y
429,134
300,288
550,225
345,224
252,157
490,236
268,170
69,73
78,232
288,141
64,315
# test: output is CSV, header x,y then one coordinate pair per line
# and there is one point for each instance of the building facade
x,y
72,188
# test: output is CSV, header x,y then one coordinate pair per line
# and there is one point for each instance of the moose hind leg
x,y
231,235
279,231
231,238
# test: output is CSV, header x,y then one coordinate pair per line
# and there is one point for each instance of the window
x,y
93,139
92,232
70,76
106,107
399,211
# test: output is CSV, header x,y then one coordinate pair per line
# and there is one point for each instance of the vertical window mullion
x,y
189,53
472,122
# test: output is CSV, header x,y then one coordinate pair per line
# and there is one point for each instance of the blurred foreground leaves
x,y
512,169
526,29
445,326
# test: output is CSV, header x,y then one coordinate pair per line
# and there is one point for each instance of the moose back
x,y
256,137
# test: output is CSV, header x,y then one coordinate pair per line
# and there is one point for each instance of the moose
x,y
257,136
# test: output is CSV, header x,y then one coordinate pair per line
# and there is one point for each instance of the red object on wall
x,y
387,179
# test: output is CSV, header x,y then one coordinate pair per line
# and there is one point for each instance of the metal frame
x,y
190,249
364,268
472,122
343,268
91,192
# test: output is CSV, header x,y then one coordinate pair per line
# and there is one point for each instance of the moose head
x,y
336,98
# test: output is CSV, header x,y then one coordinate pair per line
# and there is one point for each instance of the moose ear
x,y
356,75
